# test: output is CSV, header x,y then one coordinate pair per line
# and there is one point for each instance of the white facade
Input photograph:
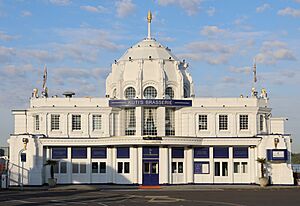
x,y
149,139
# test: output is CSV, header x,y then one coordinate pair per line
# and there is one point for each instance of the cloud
x,y
262,8
124,8
288,11
94,9
273,51
26,13
211,30
6,54
211,11
298,1
191,7
6,37
60,2
240,70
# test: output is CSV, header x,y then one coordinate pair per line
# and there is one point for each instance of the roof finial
x,y
149,18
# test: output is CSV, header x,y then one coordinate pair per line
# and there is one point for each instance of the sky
x,y
79,40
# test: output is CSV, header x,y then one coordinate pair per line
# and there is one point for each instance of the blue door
x,y
150,166
150,173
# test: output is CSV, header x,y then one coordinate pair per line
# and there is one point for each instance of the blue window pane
x,y
201,167
150,152
79,152
177,152
221,152
240,152
99,152
123,152
59,153
201,152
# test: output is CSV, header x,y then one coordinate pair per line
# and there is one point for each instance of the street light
x,y
22,159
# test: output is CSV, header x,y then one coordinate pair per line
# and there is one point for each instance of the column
x,y
161,116
252,164
89,164
230,165
164,165
211,164
69,166
139,120
189,162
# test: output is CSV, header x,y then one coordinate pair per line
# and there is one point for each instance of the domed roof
x,y
148,48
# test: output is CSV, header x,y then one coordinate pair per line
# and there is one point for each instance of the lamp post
x,y
22,159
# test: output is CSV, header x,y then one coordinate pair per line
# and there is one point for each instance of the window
x,y
243,122
221,152
177,167
240,152
169,93
37,122
170,122
244,166
177,152
55,121
97,122
75,168
130,121
56,168
94,167
261,122
76,122
63,167
102,167
130,93
99,152
201,167
150,121
98,167
59,152
123,152
240,167
201,152
223,122
221,168
123,167
150,93
79,152
202,122
79,168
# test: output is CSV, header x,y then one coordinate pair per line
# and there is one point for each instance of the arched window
x,y
150,93
186,92
169,94
130,93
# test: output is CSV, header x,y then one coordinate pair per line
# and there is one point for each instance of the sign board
x,y
150,102
280,155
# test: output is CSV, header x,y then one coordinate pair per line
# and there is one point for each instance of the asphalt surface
x,y
175,197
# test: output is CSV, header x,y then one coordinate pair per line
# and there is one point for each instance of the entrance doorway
x,y
150,166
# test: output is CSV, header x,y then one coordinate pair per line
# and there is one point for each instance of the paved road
x,y
208,197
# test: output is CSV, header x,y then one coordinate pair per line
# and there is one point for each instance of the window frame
x,y
223,122
130,93
152,92
55,122
76,122
203,127
244,122
97,122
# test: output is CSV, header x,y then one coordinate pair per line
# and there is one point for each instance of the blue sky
x,y
78,40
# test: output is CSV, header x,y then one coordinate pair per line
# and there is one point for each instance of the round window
x,y
169,93
130,93
150,93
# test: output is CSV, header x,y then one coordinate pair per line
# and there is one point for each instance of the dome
x,y
148,49
149,70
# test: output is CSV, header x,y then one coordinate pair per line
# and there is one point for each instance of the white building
x,y
149,129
